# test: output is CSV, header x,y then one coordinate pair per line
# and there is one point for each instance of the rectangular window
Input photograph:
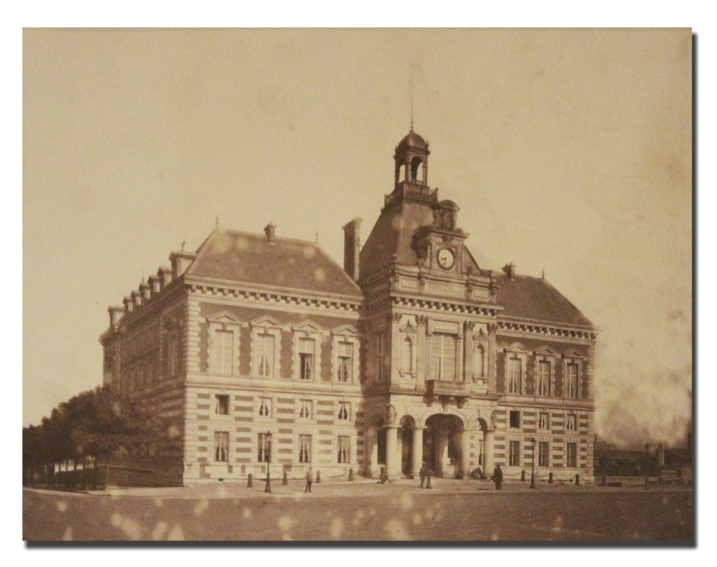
x,y
345,362
515,368
543,454
543,388
544,421
304,448
572,380
222,352
344,451
514,455
265,355
264,455
344,413
265,407
571,423
515,419
572,455
305,409
381,356
222,407
306,359
221,446
443,357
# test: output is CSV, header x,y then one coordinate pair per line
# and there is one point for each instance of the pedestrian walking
x,y
308,481
422,474
498,477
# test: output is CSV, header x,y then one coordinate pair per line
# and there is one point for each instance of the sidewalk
x,y
359,487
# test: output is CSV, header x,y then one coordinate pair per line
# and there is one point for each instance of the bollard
x,y
522,476
285,480
249,483
318,477
351,475
577,480
550,478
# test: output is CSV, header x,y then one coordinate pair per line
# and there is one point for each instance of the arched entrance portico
x,y
443,446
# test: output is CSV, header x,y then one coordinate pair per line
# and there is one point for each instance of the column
x,y
465,452
442,451
392,464
488,449
372,449
417,454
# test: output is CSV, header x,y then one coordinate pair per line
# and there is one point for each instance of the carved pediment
x,y
308,326
224,317
546,351
345,330
266,322
517,348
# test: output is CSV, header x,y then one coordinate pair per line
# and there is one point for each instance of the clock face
x,y
446,258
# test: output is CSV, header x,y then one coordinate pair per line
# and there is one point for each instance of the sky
x,y
568,151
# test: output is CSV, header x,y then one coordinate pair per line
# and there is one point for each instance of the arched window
x,y
407,355
415,164
478,361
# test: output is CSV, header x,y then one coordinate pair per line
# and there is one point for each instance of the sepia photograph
x,y
358,285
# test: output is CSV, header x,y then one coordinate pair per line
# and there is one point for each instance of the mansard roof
x,y
392,235
250,258
526,297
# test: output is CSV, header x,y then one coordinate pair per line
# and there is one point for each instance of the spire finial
x,y
183,243
216,222
411,103
317,237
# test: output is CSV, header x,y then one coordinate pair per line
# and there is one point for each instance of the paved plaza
x,y
363,510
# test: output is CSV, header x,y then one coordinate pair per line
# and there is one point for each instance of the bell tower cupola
x,y
411,158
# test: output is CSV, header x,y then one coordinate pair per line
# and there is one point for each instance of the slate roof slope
x,y
393,235
250,258
534,298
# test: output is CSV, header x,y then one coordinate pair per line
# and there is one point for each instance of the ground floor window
x,y
304,448
344,449
514,455
264,455
221,446
572,455
543,454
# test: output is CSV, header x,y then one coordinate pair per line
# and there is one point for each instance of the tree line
x,y
87,431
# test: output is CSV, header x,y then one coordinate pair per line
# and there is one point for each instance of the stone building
x,y
258,348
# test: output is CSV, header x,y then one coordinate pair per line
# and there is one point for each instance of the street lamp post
x,y
532,466
268,462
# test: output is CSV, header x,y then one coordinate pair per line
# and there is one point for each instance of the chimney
x,y
115,314
136,298
180,262
165,277
128,305
509,270
352,247
270,231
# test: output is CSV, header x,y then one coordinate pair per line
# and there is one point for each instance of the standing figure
x,y
308,481
422,474
498,477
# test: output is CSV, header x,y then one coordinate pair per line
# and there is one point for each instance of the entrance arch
x,y
443,445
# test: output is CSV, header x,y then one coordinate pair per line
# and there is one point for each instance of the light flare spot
x,y
61,506
173,432
201,507
557,524
494,536
246,513
635,535
396,530
417,519
158,502
242,243
159,530
116,520
132,529
665,500
337,528
287,537
176,533
319,274
222,243
309,252
222,492
285,523
67,536
406,501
